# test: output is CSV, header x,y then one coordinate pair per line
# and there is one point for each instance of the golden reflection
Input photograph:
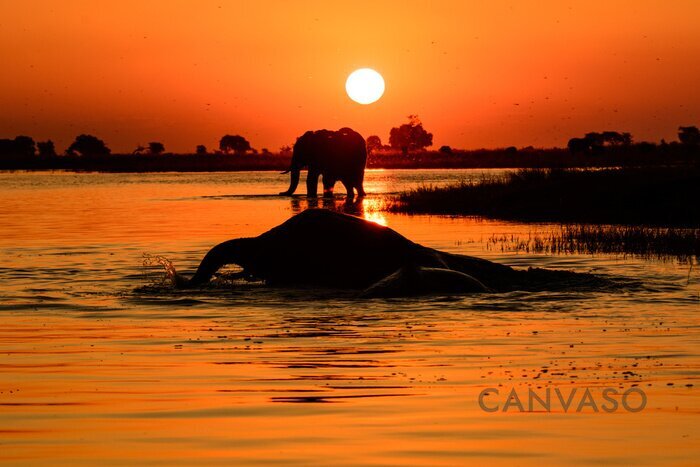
x,y
367,208
376,217
372,210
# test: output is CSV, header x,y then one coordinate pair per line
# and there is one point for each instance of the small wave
x,y
168,301
326,399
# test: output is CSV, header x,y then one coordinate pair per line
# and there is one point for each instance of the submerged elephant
x,y
335,155
324,248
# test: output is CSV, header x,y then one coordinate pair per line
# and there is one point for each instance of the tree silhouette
x,y
46,148
25,146
234,143
445,150
20,146
156,148
201,150
595,142
410,136
689,135
614,138
88,145
374,143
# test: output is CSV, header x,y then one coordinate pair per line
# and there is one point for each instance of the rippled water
x,y
98,365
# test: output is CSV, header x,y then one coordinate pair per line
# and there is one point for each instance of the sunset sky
x,y
478,74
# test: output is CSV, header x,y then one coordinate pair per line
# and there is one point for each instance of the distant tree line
x,y
407,138
594,142
411,137
25,146
91,146
597,143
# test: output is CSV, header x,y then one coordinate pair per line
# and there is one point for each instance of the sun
x,y
365,86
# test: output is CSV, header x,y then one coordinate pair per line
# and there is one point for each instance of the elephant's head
x,y
300,159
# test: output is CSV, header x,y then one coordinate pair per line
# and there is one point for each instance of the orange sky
x,y
507,73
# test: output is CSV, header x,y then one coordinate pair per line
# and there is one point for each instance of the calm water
x,y
100,365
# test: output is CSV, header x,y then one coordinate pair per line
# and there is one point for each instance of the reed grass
x,y
645,242
662,196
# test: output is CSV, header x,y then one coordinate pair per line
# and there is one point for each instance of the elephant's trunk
x,y
230,252
294,181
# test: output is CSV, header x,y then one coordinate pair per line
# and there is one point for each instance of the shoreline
x,y
473,159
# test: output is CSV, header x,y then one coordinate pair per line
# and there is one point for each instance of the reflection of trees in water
x,y
366,208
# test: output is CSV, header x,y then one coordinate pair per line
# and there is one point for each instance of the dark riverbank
x,y
638,155
665,196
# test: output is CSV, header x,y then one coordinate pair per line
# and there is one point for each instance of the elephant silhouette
x,y
374,260
334,155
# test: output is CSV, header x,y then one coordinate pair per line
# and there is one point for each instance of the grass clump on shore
x,y
645,242
662,196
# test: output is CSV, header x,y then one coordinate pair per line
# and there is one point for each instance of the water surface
x,y
100,365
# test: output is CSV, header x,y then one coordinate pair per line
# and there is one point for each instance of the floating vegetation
x,y
682,244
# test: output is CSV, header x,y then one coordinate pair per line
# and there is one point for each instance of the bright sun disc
x,y
365,86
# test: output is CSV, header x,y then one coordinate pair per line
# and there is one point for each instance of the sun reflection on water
x,y
371,211
368,208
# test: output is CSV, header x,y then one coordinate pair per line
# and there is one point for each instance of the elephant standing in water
x,y
335,155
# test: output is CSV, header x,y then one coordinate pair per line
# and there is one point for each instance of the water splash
x,y
159,271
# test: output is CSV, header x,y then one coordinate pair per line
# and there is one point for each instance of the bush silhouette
x,y
374,143
88,145
201,150
156,148
139,149
689,135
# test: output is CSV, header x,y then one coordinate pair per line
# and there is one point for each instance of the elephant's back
x,y
328,248
335,153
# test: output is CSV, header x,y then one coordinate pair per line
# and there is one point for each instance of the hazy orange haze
x,y
479,74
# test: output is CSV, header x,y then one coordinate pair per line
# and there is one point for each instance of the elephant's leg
x,y
413,280
358,185
328,185
312,183
348,188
